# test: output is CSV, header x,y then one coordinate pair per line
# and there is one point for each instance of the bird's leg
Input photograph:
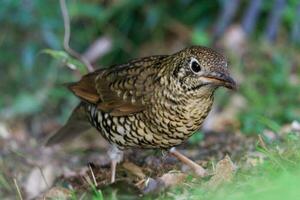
x,y
194,166
116,156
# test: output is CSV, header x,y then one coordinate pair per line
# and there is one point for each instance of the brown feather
x,y
120,91
125,91
76,125
85,88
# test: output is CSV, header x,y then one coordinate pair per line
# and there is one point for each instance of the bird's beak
x,y
221,79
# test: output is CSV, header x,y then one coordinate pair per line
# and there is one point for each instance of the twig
x,y
18,189
82,196
93,176
262,142
88,180
43,176
67,34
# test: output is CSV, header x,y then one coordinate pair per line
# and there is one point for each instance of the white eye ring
x,y
195,66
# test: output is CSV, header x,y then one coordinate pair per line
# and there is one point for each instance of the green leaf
x,y
63,57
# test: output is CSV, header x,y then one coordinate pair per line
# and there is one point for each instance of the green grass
x,y
272,97
277,177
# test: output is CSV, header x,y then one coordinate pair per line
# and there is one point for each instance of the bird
x,y
154,102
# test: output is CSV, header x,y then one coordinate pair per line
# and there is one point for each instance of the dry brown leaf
x,y
40,179
165,181
57,193
134,169
223,173
172,178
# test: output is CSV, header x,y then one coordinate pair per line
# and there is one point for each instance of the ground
x,y
81,170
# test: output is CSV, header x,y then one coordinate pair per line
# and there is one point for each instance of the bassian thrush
x,y
151,102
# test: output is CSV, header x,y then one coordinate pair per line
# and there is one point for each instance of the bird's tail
x,y
76,125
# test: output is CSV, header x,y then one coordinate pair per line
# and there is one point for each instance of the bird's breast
x,y
177,119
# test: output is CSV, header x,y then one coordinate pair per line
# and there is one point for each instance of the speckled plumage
x,y
153,102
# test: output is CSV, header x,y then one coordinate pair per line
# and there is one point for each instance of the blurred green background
x,y
261,40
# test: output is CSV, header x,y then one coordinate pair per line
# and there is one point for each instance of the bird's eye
x,y
195,67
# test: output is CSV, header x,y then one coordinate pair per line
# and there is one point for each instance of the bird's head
x,y
199,69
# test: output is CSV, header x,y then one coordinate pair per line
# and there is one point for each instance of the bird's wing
x,y
122,90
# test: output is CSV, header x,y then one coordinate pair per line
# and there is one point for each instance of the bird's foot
x,y
200,171
116,156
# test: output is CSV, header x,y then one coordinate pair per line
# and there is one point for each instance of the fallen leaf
x,y
223,173
57,193
134,169
40,179
167,180
172,178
